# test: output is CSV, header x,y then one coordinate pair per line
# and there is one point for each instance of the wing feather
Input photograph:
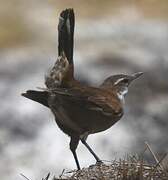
x,y
94,101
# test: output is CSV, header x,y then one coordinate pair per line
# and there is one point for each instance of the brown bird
x,y
80,110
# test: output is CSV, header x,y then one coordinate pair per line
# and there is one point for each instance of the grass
x,y
132,167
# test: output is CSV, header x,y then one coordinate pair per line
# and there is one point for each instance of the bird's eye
x,y
125,81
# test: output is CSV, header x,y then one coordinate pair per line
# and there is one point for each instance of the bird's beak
x,y
136,75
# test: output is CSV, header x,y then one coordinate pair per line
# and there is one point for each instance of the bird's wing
x,y
106,104
92,101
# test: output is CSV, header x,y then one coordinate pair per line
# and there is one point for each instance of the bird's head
x,y
120,82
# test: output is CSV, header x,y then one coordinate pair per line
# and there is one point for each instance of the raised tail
x,y
38,96
66,34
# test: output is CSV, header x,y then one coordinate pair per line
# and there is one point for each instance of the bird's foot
x,y
99,162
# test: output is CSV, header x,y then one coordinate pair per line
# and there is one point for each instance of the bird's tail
x,y
66,34
38,96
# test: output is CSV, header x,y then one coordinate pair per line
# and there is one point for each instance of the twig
x,y
142,153
60,176
158,164
24,176
48,175
153,154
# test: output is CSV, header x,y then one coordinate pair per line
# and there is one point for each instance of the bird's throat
x,y
121,94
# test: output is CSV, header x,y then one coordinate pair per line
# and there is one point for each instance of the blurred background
x,y
122,36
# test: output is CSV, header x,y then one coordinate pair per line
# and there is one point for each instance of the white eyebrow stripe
x,y
119,80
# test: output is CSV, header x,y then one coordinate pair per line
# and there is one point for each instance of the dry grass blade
x,y
47,177
24,176
151,151
127,169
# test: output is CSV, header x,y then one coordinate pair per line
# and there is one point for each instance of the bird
x,y
80,110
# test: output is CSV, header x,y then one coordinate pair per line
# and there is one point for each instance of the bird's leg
x,y
73,145
83,140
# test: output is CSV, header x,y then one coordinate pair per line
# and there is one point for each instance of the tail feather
x,y
66,34
38,96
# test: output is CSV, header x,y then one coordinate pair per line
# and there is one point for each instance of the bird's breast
x,y
74,117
